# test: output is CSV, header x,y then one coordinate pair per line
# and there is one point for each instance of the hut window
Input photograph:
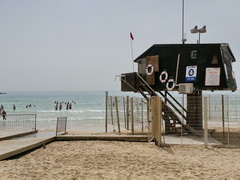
x,y
194,54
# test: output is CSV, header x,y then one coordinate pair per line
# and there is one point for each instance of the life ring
x,y
151,68
170,81
165,74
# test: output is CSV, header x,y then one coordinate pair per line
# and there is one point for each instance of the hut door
x,y
152,66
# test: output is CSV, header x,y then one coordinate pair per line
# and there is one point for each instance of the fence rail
x,y
19,122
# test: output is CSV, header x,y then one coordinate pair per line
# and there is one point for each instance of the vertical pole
x,y
183,40
182,119
132,53
35,122
223,116
199,37
136,105
236,108
106,111
142,112
111,107
205,122
66,125
209,106
148,117
128,113
132,116
57,127
228,120
117,114
124,113
178,59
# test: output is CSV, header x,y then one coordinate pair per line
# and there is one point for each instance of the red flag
x,y
131,36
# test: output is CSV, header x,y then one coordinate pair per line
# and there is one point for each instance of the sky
x,y
80,45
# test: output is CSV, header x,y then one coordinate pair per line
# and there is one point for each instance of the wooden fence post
x,y
117,114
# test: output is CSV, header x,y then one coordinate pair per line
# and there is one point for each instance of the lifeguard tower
x,y
186,68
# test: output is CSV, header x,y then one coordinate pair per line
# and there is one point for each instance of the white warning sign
x,y
191,73
212,77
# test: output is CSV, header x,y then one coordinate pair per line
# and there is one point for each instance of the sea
x,y
86,115
88,107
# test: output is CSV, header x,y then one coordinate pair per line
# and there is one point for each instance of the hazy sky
x,y
84,44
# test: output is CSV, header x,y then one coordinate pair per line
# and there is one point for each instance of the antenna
x,y
183,38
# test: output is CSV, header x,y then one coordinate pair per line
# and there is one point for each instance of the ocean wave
x,y
61,111
97,111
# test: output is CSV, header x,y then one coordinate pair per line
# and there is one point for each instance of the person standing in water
x,y
4,114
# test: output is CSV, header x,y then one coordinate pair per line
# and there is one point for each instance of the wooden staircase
x,y
173,116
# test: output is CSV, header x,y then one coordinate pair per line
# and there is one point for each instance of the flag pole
x,y
131,39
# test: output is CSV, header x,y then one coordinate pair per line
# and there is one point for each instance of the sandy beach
x,y
122,160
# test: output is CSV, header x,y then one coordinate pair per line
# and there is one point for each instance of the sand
x,y
122,160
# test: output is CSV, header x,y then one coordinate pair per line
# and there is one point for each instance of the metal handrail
x,y
146,85
171,103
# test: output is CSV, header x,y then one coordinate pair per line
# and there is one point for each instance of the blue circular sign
x,y
191,72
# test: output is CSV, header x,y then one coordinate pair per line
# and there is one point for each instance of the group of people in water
x,y
59,105
30,105
4,114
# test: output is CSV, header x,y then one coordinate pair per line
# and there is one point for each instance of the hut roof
x,y
153,50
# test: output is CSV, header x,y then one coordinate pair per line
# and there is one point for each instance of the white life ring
x,y
165,74
170,81
151,68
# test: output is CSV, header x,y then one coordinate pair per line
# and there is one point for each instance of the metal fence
x,y
61,127
213,116
224,118
18,122
126,114
207,119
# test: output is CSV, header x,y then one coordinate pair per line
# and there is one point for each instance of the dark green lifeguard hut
x,y
187,68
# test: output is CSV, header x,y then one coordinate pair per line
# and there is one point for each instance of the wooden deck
x,y
20,144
